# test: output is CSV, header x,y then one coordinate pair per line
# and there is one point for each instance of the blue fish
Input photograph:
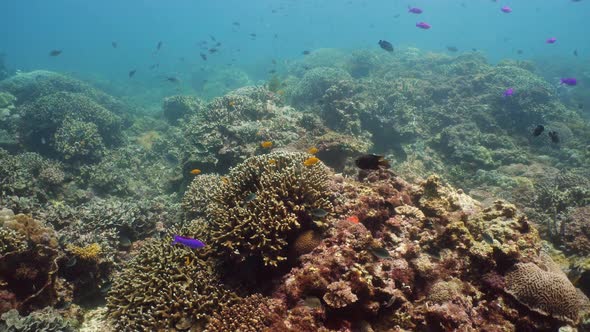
x,y
187,241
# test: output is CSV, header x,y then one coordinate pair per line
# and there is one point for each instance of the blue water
x,y
84,31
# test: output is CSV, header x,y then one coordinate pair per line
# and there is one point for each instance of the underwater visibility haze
x,y
294,165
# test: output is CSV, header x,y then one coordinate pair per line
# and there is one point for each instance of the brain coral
x,y
547,292
265,203
165,288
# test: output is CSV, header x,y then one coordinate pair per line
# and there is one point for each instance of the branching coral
x,y
78,140
177,107
165,287
199,193
254,313
266,201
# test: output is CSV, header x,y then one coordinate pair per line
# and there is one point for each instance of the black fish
x,y
371,161
576,52
554,136
203,56
236,23
55,52
132,72
538,130
218,44
212,38
114,44
154,66
306,52
386,45
519,51
159,46
452,49
172,79
253,35
212,50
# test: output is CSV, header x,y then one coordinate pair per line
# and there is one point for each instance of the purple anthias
x,y
423,25
187,241
569,81
508,93
414,10
551,40
506,9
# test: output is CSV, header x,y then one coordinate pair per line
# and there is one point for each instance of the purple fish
x,y
414,10
551,40
508,93
506,9
569,81
423,25
187,241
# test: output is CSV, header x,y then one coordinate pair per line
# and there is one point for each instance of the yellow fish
x,y
266,144
311,161
312,150
232,103
272,161
196,171
225,180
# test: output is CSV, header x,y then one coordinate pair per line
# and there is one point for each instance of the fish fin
x,y
383,162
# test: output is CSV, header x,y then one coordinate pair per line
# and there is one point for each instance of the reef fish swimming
x,y
414,10
371,161
538,130
55,52
551,40
384,44
187,241
554,136
423,25
508,93
506,9
569,81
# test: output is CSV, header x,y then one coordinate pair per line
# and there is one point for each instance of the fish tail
x,y
383,162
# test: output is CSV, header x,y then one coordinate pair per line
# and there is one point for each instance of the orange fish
x,y
266,144
225,180
272,161
232,103
312,150
311,161
353,219
196,171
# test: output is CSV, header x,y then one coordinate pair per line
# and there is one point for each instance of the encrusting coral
x,y
264,204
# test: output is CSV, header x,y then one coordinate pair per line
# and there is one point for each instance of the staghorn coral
x,y
198,194
78,140
165,287
254,313
264,205
547,292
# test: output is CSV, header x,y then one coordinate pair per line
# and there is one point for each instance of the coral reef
x,y
198,195
251,314
165,287
178,107
576,231
264,204
46,320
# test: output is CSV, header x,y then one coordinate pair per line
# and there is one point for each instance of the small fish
x,y
506,10
423,25
414,10
538,130
212,38
195,171
488,238
154,66
252,35
320,213
71,262
575,52
380,252
266,144
159,46
251,196
311,161
172,79
236,23
272,161
371,161
508,93
306,52
312,150
551,40
312,302
132,73
203,56
225,180
187,241
554,136
272,71
519,51
231,103
114,44
55,52
353,219
580,106
452,49
43,140
384,44
569,81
